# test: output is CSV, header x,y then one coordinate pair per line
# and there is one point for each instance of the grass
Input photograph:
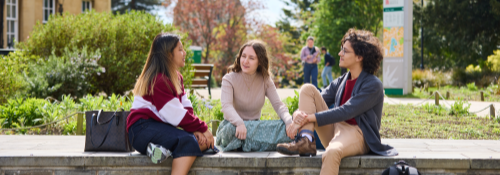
x,y
456,93
424,122
398,121
408,121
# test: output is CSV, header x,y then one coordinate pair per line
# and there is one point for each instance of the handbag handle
x,y
92,126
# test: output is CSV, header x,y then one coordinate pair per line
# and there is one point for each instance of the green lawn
x,y
398,121
424,122
456,93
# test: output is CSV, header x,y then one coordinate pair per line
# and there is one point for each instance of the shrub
x,y
458,108
472,86
123,40
494,89
68,74
19,112
433,78
292,103
11,79
472,69
494,61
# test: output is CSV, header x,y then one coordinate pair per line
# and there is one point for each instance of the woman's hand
x,y
241,132
210,138
202,140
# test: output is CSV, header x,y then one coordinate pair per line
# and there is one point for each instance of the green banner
x,y
393,9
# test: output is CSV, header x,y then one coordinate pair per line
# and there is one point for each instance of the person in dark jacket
x,y
352,126
327,70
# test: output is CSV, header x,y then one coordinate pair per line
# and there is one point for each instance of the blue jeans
x,y
327,72
311,70
179,142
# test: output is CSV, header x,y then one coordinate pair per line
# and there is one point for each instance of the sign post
x,y
397,64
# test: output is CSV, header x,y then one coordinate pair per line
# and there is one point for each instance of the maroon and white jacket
x,y
166,106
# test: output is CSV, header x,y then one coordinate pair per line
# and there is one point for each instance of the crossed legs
x,y
340,139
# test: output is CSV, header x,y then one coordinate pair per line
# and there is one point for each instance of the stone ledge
x,y
244,160
41,155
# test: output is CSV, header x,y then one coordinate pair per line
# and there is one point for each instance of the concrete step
x,y
64,155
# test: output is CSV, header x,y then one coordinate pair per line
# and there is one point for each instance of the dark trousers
x,y
311,74
179,142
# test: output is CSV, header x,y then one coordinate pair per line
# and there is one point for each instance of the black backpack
x,y
401,168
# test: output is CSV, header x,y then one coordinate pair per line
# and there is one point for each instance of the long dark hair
x,y
366,45
262,57
160,60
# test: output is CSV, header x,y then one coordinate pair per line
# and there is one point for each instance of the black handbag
x,y
107,131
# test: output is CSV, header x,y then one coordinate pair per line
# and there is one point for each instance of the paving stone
x,y
127,172
168,172
384,162
41,161
28,172
474,155
230,162
475,149
485,164
136,160
216,172
75,172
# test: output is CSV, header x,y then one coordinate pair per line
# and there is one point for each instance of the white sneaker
x,y
157,153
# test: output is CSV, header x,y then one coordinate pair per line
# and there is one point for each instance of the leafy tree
x,y
123,40
213,23
333,18
457,32
219,26
123,6
301,14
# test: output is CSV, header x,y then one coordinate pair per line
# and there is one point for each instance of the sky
x,y
271,14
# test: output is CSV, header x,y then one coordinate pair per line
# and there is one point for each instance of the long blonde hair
x,y
160,60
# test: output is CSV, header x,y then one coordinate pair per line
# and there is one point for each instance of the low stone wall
x,y
233,164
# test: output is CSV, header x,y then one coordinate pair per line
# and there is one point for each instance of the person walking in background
x,y
310,56
327,71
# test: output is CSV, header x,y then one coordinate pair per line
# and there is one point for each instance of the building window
x,y
48,9
12,22
86,6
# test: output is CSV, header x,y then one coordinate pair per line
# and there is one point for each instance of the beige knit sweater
x,y
243,97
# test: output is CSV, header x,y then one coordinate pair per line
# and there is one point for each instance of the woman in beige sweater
x,y
245,87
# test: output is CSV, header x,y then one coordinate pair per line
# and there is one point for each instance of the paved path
x,y
475,105
21,146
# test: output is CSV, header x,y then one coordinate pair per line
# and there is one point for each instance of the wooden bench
x,y
202,76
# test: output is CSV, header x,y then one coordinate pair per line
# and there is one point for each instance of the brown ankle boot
x,y
301,146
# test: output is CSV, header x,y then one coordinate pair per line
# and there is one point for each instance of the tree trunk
x,y
207,53
134,5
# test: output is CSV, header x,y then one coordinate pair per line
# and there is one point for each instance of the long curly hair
x,y
262,57
366,45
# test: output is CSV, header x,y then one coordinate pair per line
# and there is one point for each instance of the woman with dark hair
x,y
352,126
161,106
244,89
